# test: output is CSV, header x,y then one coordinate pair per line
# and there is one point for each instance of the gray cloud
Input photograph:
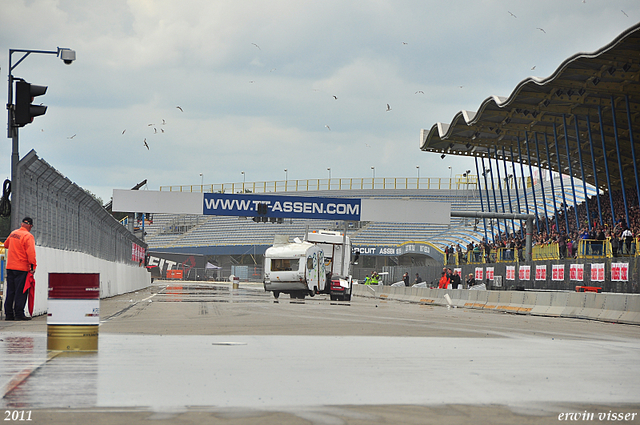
x,y
263,110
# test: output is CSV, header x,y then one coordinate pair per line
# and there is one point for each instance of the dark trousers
x,y
16,298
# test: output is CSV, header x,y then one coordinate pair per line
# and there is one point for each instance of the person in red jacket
x,y
21,260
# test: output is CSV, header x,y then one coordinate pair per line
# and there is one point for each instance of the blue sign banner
x,y
253,205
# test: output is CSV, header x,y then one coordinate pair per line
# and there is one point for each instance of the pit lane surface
x,y
184,352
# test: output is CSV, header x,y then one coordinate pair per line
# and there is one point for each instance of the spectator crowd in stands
x,y
554,229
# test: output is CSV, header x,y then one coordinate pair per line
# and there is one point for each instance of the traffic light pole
x,y
12,129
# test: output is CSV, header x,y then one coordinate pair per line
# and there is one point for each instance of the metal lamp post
x,y
67,56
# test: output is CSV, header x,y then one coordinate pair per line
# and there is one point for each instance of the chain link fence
x,y
68,218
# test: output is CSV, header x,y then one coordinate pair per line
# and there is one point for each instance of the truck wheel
x,y
276,294
333,297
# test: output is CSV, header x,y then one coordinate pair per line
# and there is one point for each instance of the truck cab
x,y
337,256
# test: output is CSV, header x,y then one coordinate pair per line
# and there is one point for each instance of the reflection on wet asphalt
x,y
229,368
208,293
66,380
205,293
176,371
32,377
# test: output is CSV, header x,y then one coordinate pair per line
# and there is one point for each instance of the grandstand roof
x,y
584,88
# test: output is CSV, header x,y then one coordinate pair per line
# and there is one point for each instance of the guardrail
x,y
381,183
592,248
587,249
549,251
500,255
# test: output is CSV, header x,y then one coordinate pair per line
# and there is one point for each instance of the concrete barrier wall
x,y
115,278
609,307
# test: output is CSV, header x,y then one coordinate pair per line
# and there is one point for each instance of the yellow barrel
x,y
72,337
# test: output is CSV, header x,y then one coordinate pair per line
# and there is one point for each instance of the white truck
x,y
313,266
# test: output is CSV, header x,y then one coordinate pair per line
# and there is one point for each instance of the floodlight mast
x,y
67,56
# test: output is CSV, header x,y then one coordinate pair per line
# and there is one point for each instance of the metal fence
x,y
68,218
383,183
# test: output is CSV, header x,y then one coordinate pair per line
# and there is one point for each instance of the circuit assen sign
x,y
407,248
282,206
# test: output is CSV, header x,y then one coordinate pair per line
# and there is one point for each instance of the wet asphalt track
x,y
205,353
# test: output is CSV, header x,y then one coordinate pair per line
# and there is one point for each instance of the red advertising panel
x,y
490,273
620,272
524,273
597,272
576,272
624,272
541,272
511,273
557,272
615,272
479,273
137,252
71,286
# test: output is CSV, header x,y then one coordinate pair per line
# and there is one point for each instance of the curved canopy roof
x,y
578,97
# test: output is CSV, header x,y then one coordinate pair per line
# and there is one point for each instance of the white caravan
x,y
317,265
295,268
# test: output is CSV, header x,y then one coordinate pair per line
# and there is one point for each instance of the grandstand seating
x,y
202,231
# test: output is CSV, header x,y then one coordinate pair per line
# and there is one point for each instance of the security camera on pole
x,y
22,112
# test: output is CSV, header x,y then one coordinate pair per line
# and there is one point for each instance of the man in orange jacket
x,y
21,260
444,281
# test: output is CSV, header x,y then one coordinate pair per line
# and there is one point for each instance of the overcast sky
x,y
257,81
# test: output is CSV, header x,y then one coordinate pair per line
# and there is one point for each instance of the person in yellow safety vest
x,y
367,280
374,278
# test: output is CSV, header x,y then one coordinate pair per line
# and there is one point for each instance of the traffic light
x,y
262,210
24,110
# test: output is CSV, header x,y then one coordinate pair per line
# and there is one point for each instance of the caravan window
x,y
309,263
284,264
